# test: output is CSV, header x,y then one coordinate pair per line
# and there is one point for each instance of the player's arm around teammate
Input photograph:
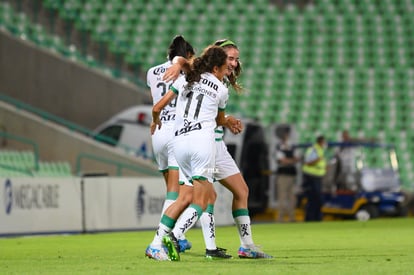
x,y
229,174
201,94
162,140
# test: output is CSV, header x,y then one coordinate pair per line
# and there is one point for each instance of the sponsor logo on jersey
x,y
188,127
209,83
166,116
159,70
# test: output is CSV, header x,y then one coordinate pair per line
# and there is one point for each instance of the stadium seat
x,y
349,62
16,163
52,4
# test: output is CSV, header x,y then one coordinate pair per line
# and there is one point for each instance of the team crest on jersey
x,y
188,127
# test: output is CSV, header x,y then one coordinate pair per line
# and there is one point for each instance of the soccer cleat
x,y
156,254
252,253
184,245
172,245
218,253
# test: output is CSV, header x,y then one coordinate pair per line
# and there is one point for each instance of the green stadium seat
x,y
87,19
6,13
351,59
52,4
69,9
56,43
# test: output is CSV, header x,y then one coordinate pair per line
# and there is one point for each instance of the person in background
x,y
346,157
346,137
286,178
314,169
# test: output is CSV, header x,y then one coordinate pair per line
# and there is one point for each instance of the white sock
x,y
209,230
164,227
245,230
179,221
188,219
162,230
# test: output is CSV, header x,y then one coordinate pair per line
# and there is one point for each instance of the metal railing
x,y
76,128
119,165
63,122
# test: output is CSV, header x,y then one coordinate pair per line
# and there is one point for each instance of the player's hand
x,y
172,73
234,125
153,126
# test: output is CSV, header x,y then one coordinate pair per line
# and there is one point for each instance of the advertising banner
x,y
88,204
122,203
40,205
135,203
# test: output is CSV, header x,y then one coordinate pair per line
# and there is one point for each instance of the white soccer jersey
x,y
159,88
162,138
194,144
197,109
220,129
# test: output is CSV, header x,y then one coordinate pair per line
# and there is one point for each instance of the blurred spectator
x,y
347,138
345,156
286,178
314,169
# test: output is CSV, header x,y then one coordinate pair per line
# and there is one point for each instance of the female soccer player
x,y
228,173
201,100
162,139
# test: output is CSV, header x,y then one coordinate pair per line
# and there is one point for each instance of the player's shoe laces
x,y
172,245
156,254
218,253
253,252
184,245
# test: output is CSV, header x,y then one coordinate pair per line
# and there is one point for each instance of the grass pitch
x,y
383,246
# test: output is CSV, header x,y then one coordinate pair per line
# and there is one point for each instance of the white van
x,y
129,130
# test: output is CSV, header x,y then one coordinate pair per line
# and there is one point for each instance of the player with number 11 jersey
x,y
197,108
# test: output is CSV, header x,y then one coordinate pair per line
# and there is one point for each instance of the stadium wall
x,y
59,143
61,86
88,204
